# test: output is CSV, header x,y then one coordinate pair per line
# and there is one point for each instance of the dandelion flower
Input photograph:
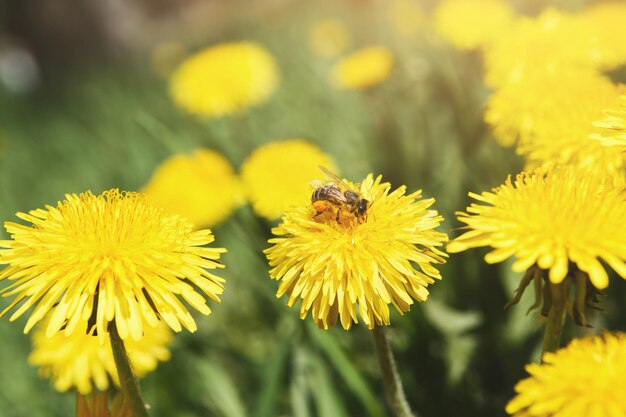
x,y
276,176
108,258
607,21
561,136
337,269
364,68
329,38
472,24
549,116
407,17
553,41
519,109
224,79
611,130
586,378
81,361
551,220
202,187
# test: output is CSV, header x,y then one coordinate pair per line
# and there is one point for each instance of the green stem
x,y
391,378
128,382
554,322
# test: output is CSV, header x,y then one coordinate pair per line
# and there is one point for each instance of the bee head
x,y
361,207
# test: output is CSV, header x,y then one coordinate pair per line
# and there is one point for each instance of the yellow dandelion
x,y
611,130
584,379
202,187
364,68
276,176
329,37
111,258
82,362
552,42
542,100
561,136
607,21
551,220
224,79
472,24
407,17
337,268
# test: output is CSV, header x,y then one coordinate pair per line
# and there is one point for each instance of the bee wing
x,y
336,179
315,184
336,193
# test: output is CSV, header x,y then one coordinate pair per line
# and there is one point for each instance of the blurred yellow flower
x,y
551,219
551,42
112,258
472,24
549,116
584,379
518,110
611,130
607,21
202,187
562,136
407,17
81,361
337,269
363,68
329,37
224,79
276,176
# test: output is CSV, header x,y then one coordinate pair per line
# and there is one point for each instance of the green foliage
x,y
108,127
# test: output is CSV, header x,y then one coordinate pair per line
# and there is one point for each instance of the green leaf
x,y
348,371
219,387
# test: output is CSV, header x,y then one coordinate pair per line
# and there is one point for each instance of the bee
x,y
338,200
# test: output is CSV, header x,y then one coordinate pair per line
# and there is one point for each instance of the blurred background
x,y
85,105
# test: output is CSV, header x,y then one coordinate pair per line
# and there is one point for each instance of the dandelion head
x,y
607,20
561,135
364,68
337,268
107,258
224,79
583,379
611,129
202,187
472,24
276,176
329,37
554,220
553,41
85,362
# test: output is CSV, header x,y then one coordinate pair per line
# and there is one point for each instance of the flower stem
x,y
554,322
128,382
391,378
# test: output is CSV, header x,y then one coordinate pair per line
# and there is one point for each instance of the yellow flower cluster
x,y
112,257
472,24
81,361
202,187
224,79
551,219
337,270
363,68
611,129
584,379
549,92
